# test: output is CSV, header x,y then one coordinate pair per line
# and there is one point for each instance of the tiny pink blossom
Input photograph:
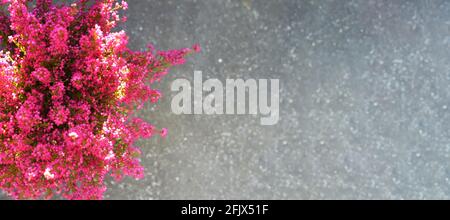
x,y
124,5
164,132
197,48
155,96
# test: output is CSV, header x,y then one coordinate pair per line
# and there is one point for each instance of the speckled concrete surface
x,y
364,110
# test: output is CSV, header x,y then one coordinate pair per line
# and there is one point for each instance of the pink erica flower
x,y
69,85
164,132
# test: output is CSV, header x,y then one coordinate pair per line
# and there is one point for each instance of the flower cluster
x,y
69,87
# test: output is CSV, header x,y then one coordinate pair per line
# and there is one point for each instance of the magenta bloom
x,y
69,87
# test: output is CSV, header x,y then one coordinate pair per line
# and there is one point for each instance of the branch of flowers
x,y
163,63
69,88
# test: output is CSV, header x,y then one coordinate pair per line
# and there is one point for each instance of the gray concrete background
x,y
364,110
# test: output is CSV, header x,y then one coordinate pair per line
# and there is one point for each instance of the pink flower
x,y
69,86
42,75
164,132
59,115
77,80
57,91
155,96
58,41
124,5
197,48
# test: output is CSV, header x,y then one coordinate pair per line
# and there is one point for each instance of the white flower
x,y
73,135
110,156
31,175
48,175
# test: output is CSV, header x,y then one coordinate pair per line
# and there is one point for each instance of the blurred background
x,y
365,100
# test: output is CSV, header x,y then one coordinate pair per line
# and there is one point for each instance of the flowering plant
x,y
69,87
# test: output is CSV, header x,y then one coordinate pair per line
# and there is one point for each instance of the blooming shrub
x,y
69,88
